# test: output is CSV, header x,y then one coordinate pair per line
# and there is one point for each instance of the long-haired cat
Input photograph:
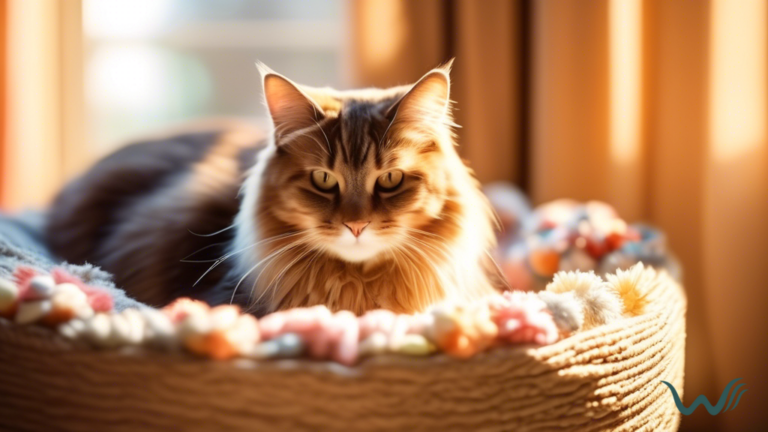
x,y
357,200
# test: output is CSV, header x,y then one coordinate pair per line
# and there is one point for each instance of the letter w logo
x,y
713,410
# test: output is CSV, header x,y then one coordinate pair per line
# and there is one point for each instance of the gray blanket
x,y
22,243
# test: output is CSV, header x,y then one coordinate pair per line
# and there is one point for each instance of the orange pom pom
x,y
215,345
463,333
184,307
544,262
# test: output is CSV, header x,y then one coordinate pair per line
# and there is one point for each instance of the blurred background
x,y
658,107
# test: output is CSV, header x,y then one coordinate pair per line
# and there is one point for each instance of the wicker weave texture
x,y
607,378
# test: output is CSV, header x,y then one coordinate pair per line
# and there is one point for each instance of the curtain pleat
x,y
735,200
676,130
570,101
487,87
43,100
398,41
33,104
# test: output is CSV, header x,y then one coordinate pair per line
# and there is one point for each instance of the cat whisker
x,y
187,260
437,271
307,135
410,259
227,256
426,233
268,261
263,261
499,271
273,286
326,136
274,283
440,248
386,131
406,255
430,261
213,233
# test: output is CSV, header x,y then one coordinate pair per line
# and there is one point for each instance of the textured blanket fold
x,y
22,243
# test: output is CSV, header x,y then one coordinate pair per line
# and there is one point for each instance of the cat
x,y
356,200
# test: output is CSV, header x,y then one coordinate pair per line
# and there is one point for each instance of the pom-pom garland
x,y
51,299
573,301
566,235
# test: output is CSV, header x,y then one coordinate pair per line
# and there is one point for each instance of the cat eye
x,y
324,180
390,181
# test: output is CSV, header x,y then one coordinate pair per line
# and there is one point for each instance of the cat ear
x,y
427,101
291,109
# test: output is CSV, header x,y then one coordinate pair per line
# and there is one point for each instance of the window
x,y
152,63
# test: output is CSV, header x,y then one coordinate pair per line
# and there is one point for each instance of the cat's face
x,y
357,173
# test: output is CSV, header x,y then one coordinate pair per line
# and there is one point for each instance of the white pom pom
x,y
72,329
567,310
41,286
98,330
158,328
579,282
376,343
601,306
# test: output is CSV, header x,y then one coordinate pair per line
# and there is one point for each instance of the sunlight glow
x,y
33,96
625,35
383,18
129,77
738,79
124,18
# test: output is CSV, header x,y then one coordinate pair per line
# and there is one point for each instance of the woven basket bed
x,y
605,378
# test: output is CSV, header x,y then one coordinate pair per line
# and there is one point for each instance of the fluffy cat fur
x,y
357,200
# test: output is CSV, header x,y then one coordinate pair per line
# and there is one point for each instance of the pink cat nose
x,y
356,227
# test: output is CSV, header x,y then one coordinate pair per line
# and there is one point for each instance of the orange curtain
x,y
658,107
3,97
42,98
398,41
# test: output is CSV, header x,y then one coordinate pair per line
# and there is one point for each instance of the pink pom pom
x,y
347,337
379,320
319,342
98,298
299,320
61,276
23,276
272,325
327,335
523,318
